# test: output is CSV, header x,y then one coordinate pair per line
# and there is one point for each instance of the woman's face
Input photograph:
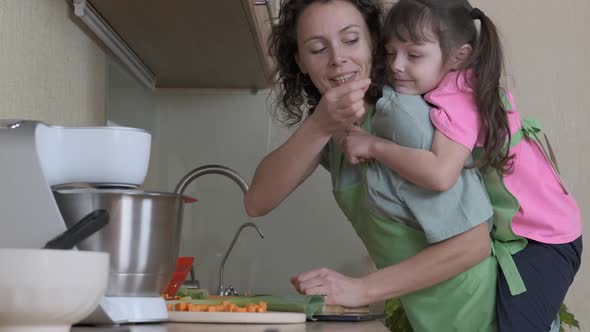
x,y
334,44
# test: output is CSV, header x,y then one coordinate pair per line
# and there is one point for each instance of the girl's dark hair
x,y
451,22
295,93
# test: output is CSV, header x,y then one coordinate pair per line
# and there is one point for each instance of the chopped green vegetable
x,y
192,293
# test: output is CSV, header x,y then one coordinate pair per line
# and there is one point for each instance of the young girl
x,y
434,50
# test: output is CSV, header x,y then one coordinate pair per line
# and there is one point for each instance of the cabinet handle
x,y
269,9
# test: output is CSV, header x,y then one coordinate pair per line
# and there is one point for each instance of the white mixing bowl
x,y
44,290
98,155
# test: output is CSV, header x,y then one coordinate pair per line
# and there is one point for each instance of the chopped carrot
x,y
225,306
196,307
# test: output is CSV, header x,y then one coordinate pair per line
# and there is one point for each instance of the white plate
x,y
269,317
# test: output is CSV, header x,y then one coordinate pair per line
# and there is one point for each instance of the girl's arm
x,y
437,169
433,265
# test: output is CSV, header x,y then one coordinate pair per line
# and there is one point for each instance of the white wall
x,y
50,69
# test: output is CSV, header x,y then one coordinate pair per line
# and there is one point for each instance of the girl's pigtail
x,y
488,67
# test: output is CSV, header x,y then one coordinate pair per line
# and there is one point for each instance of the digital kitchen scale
x,y
122,310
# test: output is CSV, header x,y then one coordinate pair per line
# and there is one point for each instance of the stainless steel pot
x,y
142,237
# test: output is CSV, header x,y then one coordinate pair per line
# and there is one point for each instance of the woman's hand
x,y
284,169
356,145
337,288
341,107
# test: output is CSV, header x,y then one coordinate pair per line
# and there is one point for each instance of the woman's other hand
x,y
342,106
356,145
336,288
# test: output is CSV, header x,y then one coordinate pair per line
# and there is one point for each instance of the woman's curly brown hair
x,y
296,94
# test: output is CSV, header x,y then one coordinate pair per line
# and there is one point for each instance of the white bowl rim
x,y
106,128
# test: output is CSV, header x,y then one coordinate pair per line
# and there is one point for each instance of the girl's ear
x,y
300,64
460,56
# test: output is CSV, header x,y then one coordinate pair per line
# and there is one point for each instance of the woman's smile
x,y
342,78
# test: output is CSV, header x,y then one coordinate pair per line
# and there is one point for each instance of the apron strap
x,y
335,171
551,154
502,252
367,124
504,242
338,155
531,128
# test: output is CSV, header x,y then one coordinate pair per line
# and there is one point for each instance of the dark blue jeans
x,y
547,270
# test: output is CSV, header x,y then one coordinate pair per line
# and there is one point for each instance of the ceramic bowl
x,y
95,155
44,290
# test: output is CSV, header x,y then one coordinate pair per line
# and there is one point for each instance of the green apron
x,y
505,242
465,303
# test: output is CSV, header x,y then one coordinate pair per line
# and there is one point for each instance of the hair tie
x,y
476,14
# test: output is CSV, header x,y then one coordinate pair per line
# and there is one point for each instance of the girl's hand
x,y
337,288
356,145
341,107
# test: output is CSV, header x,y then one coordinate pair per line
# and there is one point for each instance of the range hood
x,y
207,44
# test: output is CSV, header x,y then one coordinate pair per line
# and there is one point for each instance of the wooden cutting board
x,y
269,317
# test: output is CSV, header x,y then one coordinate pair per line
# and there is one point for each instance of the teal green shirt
x,y
405,120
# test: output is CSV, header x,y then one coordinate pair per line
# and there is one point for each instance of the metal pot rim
x,y
117,191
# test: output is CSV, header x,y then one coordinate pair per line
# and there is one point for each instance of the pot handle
x,y
81,230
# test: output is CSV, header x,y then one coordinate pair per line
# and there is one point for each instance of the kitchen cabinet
x,y
207,44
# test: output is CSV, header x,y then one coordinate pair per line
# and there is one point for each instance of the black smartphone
x,y
350,316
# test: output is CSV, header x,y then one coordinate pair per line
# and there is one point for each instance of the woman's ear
x,y
300,64
460,56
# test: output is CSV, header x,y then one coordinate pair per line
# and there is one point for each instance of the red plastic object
x,y
188,199
183,267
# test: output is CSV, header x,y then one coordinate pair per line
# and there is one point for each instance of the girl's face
x,y
333,44
415,68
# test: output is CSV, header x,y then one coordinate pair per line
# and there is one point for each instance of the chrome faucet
x,y
221,290
233,175
210,169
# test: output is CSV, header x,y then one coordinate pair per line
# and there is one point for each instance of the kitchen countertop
x,y
369,326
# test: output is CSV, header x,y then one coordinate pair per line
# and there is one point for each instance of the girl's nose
x,y
397,65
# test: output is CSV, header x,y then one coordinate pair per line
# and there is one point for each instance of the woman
x,y
432,252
